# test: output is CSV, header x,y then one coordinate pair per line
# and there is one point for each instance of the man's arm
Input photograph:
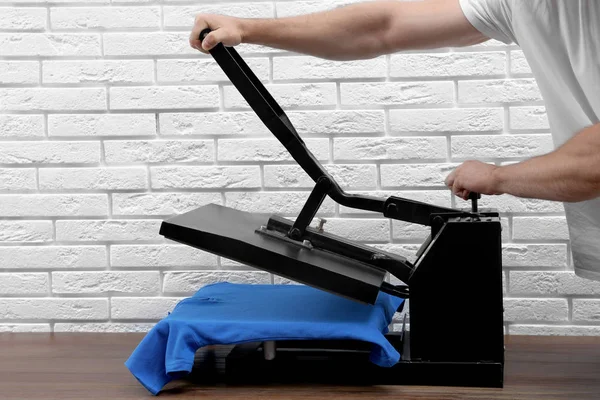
x,y
357,31
571,173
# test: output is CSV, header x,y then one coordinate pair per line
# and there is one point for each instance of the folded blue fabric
x,y
228,313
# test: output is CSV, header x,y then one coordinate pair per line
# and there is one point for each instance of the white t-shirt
x,y
561,42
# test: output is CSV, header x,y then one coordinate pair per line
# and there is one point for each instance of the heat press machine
x,y
454,288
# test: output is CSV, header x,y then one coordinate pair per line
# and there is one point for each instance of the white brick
x,y
291,8
26,231
51,1
401,148
107,230
440,198
24,328
518,63
17,179
24,284
93,178
287,203
49,44
49,153
540,228
407,251
112,282
523,310
402,230
551,283
23,19
209,177
104,17
234,265
228,123
412,175
21,126
407,65
505,230
534,255
148,44
396,93
53,308
500,146
550,330
97,125
189,282
19,72
98,71
201,71
172,151
109,327
447,120
288,95
53,205
304,67
359,229
266,150
246,123
337,122
347,176
278,280
52,99
498,91
529,118
160,256
142,307
160,204
53,257
512,204
183,16
163,97
586,310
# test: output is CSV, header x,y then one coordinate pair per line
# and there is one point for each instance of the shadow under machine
x,y
456,335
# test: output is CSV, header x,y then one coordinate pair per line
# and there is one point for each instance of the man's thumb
x,y
211,40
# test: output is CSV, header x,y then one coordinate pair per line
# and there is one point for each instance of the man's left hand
x,y
473,176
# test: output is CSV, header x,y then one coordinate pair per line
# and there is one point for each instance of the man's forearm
x,y
355,31
571,173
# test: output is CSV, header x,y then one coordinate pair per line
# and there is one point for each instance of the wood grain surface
x,y
90,366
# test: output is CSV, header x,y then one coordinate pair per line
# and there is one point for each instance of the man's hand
x,y
473,176
225,29
571,173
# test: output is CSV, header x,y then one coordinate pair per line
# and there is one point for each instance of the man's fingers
x,y
195,41
460,191
450,179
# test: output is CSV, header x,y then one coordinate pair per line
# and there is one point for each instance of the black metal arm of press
x,y
271,114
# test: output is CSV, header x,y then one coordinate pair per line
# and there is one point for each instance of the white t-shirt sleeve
x,y
490,17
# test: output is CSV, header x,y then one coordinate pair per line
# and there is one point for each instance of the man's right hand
x,y
225,29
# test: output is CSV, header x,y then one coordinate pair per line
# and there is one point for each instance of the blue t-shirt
x,y
227,313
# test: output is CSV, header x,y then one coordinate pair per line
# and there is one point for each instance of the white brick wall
x,y
110,122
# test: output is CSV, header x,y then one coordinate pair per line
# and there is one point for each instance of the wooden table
x,y
90,366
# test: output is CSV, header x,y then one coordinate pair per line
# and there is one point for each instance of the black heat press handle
x,y
275,119
264,105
